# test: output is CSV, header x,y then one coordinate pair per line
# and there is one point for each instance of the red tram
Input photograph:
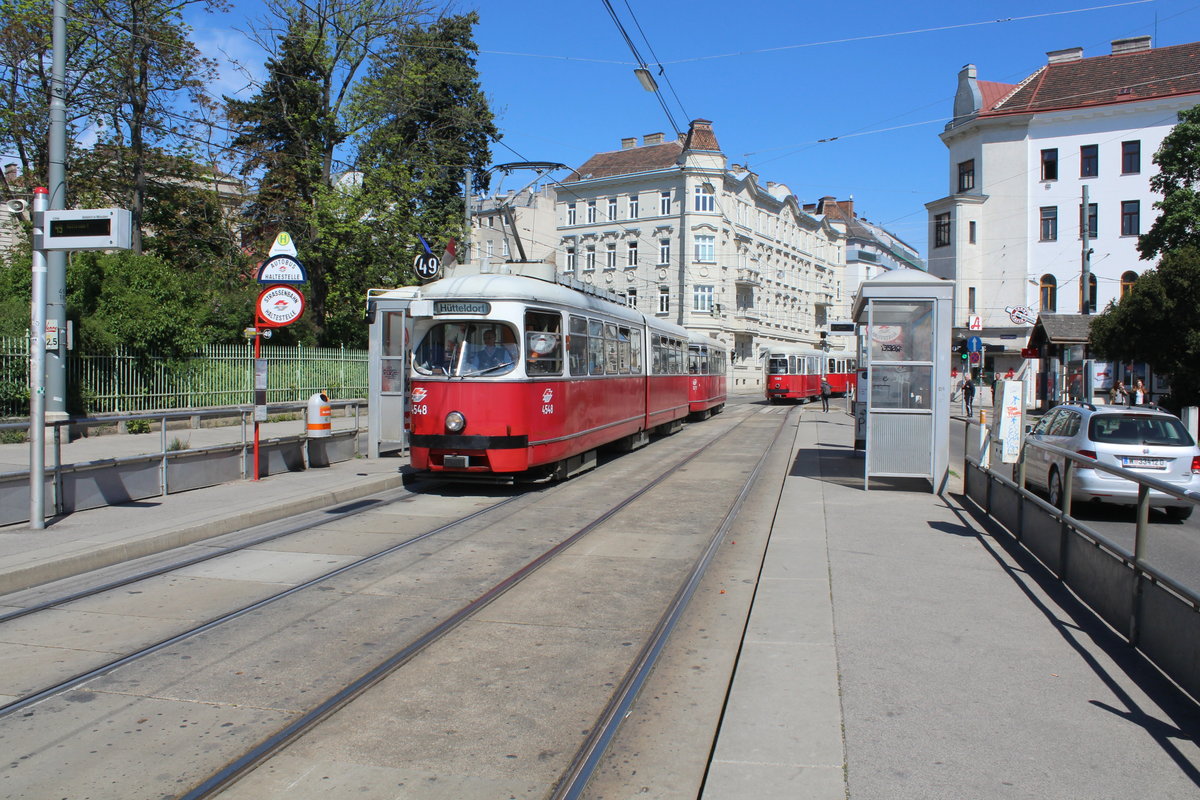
x,y
795,373
707,360
515,375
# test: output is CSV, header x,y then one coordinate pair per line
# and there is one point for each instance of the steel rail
x,y
277,741
96,672
588,757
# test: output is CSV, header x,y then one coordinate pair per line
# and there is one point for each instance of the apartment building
x,y
684,235
1021,160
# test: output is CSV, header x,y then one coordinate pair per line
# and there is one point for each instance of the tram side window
x,y
543,343
596,347
635,351
612,362
623,356
579,346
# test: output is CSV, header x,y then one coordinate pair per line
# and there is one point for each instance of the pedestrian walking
x,y
826,390
968,394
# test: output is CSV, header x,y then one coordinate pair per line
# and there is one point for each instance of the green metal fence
x,y
219,375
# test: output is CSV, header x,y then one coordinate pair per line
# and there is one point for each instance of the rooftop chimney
x,y
652,138
1135,45
1063,56
629,144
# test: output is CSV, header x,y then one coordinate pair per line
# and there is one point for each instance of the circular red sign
x,y
279,306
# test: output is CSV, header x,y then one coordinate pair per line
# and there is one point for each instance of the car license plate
x,y
1143,462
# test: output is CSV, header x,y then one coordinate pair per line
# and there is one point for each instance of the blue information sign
x,y
974,344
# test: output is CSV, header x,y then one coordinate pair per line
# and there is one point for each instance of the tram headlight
x,y
455,421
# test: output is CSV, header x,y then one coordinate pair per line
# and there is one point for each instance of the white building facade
x,y
1021,158
703,244
505,225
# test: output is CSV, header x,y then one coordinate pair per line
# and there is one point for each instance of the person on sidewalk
x,y
1138,396
826,390
1118,396
968,394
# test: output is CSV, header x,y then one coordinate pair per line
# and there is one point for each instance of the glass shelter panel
x,y
902,331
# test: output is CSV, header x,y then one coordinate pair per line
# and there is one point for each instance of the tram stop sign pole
x,y
278,306
57,230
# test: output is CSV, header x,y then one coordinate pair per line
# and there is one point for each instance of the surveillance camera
x,y
15,206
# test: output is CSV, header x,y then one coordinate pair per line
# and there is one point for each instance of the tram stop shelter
x,y
904,326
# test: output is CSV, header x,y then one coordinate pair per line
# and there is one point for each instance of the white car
x,y
1143,439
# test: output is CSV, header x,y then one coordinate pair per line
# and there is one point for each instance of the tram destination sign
x,y
460,307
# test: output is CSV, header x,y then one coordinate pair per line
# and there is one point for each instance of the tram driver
x,y
493,357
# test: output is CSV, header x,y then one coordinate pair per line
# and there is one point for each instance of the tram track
x,y
298,724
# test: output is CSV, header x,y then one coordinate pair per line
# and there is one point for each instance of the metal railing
x,y
1154,612
218,375
133,477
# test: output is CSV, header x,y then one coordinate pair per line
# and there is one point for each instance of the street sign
x,y
974,344
427,266
282,268
84,229
284,244
975,323
1029,352
279,306
976,358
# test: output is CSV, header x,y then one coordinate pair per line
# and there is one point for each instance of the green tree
x,y
151,66
1178,181
1158,322
285,131
424,119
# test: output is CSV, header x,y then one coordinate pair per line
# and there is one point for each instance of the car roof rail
x,y
1083,403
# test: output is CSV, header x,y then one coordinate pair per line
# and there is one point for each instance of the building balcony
x,y
749,276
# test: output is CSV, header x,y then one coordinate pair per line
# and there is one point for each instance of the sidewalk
x,y
101,537
900,647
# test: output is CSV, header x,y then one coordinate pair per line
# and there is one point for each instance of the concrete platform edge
x,y
67,566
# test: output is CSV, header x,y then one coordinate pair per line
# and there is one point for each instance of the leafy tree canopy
x,y
1178,181
1159,322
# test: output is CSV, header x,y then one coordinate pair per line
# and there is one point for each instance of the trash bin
x,y
320,416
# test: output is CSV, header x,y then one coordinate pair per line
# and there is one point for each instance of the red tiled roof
x,y
626,162
1104,80
993,93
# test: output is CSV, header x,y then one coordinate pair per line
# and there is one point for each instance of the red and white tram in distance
x,y
793,373
513,375
708,362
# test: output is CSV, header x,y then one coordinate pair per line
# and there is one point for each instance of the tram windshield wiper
x,y
486,370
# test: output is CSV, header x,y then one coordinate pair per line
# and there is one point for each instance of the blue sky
x,y
875,79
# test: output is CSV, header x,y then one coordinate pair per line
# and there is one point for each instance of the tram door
x,y
390,345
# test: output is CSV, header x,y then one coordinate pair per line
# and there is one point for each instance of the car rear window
x,y
1139,429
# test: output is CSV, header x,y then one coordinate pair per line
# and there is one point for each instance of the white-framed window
x,y
631,297
632,256
633,206
664,299
570,259
504,248
612,208
591,211
702,298
706,248
490,248
570,213
610,255
664,251
705,198
589,258
664,203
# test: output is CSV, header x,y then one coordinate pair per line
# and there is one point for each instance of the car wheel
x,y
1179,514
1055,490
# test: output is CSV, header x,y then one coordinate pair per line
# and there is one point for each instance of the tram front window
x,y
778,365
465,349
